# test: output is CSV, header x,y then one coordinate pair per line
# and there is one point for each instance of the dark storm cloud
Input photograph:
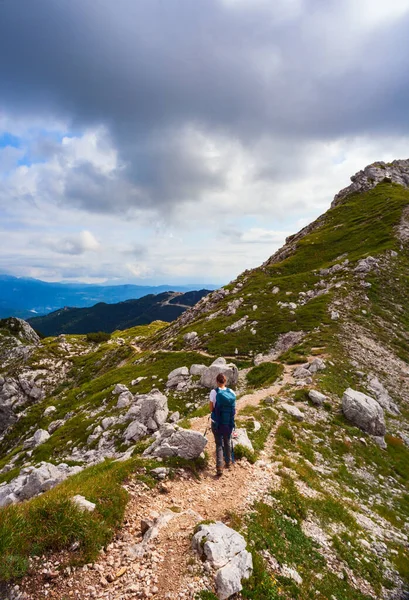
x,y
147,70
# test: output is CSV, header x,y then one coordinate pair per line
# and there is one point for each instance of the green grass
x,y
51,522
264,374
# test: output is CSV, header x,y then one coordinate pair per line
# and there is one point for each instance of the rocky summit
x,y
107,468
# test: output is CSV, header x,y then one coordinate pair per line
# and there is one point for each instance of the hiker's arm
x,y
212,401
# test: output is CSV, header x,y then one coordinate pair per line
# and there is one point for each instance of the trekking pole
x,y
207,426
232,449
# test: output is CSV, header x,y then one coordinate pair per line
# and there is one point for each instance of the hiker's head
x,y
221,379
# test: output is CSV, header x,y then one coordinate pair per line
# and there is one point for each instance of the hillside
x,y
316,343
26,297
123,315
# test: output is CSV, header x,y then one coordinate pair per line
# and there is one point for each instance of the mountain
x,y
315,342
25,297
166,306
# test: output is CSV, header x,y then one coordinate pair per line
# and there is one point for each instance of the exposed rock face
x,y
40,436
148,412
208,378
173,441
364,412
7,417
225,550
21,330
33,481
178,378
396,171
382,396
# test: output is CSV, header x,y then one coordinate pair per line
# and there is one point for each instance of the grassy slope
x,y
362,226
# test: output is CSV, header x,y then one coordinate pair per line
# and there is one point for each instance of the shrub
x,y
264,374
98,337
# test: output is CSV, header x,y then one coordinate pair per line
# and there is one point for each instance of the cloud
x,y
190,140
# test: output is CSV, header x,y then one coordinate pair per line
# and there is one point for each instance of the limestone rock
x,y
241,438
237,325
124,399
119,389
177,377
197,369
135,431
316,397
225,550
293,411
38,438
49,411
54,425
190,337
382,396
364,412
208,378
153,409
83,504
301,373
7,418
174,441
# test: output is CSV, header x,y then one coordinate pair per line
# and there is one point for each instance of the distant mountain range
x,y
110,317
25,297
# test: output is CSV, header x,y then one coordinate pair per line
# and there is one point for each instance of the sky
x,y
181,141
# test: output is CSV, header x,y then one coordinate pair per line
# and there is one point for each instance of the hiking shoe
x,y
228,465
219,472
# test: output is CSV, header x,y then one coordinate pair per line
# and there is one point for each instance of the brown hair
x,y
221,378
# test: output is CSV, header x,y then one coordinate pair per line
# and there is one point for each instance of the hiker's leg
x,y
219,448
227,448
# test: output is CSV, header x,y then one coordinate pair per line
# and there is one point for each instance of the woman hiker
x,y
223,408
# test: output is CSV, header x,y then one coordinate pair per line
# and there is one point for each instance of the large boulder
x,y
174,441
364,412
197,369
208,378
178,378
135,431
153,409
225,550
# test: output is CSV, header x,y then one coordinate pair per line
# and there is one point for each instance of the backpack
x,y
224,411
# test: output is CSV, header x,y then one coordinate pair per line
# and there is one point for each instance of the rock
x,y
119,389
316,397
237,325
184,371
380,441
174,417
7,418
364,412
135,431
124,399
137,380
107,422
301,373
49,411
317,365
83,504
174,441
241,438
334,315
269,400
291,574
293,411
146,524
54,425
38,438
275,290
225,550
197,369
365,265
208,378
190,337
160,472
382,395
153,409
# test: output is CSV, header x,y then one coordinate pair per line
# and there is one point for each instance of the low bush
x,y
264,374
98,337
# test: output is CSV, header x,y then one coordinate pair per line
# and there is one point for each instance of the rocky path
x,y
168,568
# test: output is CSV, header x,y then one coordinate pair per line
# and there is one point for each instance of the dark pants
x,y
221,440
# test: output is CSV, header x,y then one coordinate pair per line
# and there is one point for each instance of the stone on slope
x,y
82,503
7,418
178,377
301,373
190,337
197,369
316,397
208,378
293,411
124,399
135,431
40,436
316,365
241,438
364,412
119,389
49,411
225,551
174,441
237,325
382,396
153,409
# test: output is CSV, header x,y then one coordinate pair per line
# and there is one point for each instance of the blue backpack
x,y
224,411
